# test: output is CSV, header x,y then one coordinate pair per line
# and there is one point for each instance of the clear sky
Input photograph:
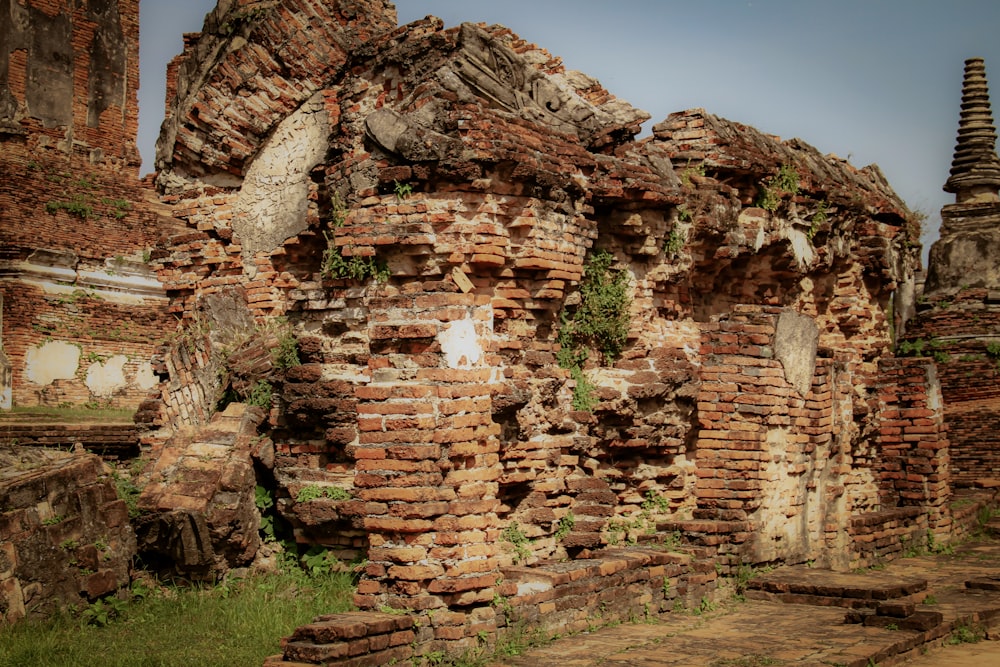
x,y
870,80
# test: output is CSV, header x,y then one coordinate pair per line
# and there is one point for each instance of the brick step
x,y
106,440
800,584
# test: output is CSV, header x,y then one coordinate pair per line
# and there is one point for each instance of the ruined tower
x,y
958,318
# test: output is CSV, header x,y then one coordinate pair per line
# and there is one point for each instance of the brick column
x,y
427,460
913,440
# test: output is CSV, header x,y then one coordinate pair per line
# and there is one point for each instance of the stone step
x,y
800,584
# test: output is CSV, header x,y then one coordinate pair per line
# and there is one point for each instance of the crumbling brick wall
x,y
76,227
961,332
65,539
427,256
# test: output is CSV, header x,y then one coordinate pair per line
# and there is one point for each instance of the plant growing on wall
x,y
600,322
772,189
355,267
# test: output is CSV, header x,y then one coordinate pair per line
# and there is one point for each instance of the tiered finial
x,y
975,169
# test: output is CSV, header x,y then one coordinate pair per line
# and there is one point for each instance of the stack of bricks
x,y
65,538
913,441
877,537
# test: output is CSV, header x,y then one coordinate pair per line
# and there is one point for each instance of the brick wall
x,y
75,225
961,332
73,72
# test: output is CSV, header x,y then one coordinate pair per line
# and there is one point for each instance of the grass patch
x,y
233,624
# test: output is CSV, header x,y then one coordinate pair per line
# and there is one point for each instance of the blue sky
x,y
870,80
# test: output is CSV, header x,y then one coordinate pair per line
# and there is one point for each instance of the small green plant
x,y
68,545
655,502
356,267
286,355
966,634
566,524
818,219
519,541
121,206
261,394
319,560
672,541
77,206
104,612
705,606
403,190
583,391
314,492
920,347
94,357
993,349
892,627
675,241
127,491
691,171
264,500
930,599
772,189
53,520
600,322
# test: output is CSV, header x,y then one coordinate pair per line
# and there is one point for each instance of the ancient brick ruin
x,y
436,296
83,313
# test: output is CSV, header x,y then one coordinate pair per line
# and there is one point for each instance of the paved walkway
x,y
762,632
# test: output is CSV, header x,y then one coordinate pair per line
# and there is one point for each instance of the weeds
x,y
600,322
230,625
772,189
518,540
965,633
314,492
566,524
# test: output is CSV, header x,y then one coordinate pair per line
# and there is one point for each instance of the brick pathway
x,y
767,632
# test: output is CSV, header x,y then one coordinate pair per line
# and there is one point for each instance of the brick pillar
x,y
732,443
427,460
913,440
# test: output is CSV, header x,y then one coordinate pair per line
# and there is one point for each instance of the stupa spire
x,y
975,168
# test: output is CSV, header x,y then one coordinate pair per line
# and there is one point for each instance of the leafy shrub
x,y
601,321
261,394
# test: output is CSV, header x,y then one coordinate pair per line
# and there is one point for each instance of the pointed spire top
x,y
975,169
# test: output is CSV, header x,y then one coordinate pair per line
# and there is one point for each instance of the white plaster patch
x,y
459,344
144,377
55,360
802,247
103,379
274,200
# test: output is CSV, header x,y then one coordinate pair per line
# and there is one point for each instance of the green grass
x,y
224,626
